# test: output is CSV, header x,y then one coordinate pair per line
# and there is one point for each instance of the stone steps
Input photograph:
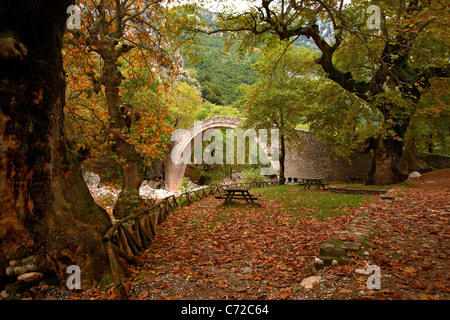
x,y
352,239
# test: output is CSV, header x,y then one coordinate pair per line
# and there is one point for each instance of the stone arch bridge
x,y
311,160
181,148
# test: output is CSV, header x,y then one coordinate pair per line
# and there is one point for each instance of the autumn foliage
x,y
141,39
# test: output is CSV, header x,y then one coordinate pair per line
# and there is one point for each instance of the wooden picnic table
x,y
316,181
237,193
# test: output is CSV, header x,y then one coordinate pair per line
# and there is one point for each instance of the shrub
x,y
185,185
252,175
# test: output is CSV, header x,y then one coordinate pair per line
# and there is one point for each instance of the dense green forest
x,y
220,70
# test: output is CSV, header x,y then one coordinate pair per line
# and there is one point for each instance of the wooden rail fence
x,y
129,237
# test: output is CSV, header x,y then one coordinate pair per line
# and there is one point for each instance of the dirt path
x,y
409,242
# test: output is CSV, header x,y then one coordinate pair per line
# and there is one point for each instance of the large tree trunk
x,y
129,200
388,152
413,163
45,206
410,155
387,158
282,179
392,155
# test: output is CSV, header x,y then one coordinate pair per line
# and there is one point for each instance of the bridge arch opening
x,y
184,142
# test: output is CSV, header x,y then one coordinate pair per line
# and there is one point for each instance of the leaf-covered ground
x,y
410,240
211,251
241,251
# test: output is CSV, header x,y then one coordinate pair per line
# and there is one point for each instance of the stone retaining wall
x,y
437,162
313,159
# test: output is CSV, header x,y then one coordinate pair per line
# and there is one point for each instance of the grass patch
x,y
303,202
181,201
195,224
223,216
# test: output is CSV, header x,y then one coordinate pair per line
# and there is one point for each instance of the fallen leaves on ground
x,y
211,251
409,241
242,251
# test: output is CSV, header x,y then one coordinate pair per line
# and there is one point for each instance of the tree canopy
x,y
389,67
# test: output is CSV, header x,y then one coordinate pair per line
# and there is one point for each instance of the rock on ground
x,y
148,192
92,179
30,277
414,175
311,282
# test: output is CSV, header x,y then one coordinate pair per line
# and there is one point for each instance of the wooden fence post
x,y
131,244
175,200
115,271
123,242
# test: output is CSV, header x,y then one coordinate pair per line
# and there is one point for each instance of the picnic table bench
x,y
307,183
237,193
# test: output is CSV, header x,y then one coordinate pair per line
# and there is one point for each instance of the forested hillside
x,y
220,70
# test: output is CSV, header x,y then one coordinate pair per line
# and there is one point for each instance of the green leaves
x,y
221,68
276,99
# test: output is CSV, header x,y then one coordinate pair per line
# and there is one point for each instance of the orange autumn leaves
x,y
144,38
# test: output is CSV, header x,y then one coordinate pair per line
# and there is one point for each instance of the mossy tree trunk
x,y
122,116
108,25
